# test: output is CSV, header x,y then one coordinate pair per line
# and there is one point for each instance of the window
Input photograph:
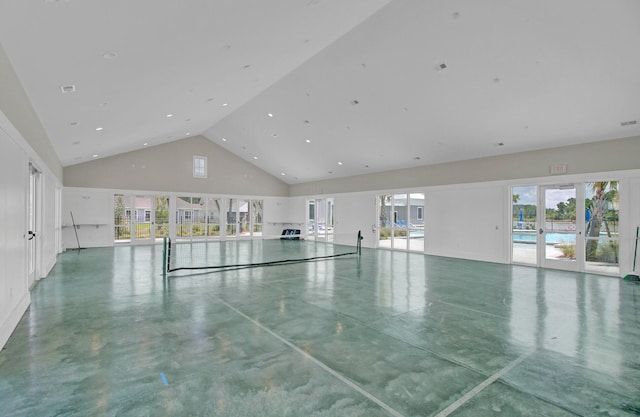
x,y
199,166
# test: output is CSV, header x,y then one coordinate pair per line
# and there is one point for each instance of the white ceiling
x,y
353,86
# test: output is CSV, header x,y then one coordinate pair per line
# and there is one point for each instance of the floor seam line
x,y
481,386
318,362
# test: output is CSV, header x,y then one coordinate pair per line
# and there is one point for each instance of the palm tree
x,y
384,220
603,193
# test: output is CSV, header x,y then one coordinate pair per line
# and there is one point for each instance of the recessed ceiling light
x,y
68,88
308,140
99,128
95,155
225,104
270,114
145,144
224,139
188,133
339,163
169,115
283,174
255,157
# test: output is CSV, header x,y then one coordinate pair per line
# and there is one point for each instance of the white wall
x,y
467,222
353,213
93,215
169,168
630,204
281,213
608,155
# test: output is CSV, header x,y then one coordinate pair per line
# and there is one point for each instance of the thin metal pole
x,y
75,230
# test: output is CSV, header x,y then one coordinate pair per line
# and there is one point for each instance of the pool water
x,y
550,237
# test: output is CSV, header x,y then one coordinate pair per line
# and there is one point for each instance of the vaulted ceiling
x,y
316,89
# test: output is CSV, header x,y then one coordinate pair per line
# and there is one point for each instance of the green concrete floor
x,y
383,334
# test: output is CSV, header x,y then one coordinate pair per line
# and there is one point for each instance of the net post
x,y
164,257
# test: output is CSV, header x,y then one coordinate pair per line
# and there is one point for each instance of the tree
x,y
385,201
119,210
604,193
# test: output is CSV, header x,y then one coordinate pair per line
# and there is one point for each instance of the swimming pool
x,y
552,238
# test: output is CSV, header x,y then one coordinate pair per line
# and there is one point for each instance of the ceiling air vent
x,y
629,123
68,89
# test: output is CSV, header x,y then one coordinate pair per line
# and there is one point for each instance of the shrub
x,y
568,250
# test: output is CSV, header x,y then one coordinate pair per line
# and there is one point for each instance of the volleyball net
x,y
216,255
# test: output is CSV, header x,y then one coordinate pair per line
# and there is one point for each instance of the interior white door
x,y
32,233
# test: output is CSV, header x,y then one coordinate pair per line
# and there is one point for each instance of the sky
x,y
553,196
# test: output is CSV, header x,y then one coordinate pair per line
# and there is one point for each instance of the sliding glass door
x,y
401,221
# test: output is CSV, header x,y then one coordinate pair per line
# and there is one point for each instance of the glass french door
x,y
524,224
213,217
160,218
140,218
401,221
601,231
570,226
244,218
256,217
320,220
560,242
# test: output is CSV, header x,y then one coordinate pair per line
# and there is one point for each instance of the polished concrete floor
x,y
383,334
